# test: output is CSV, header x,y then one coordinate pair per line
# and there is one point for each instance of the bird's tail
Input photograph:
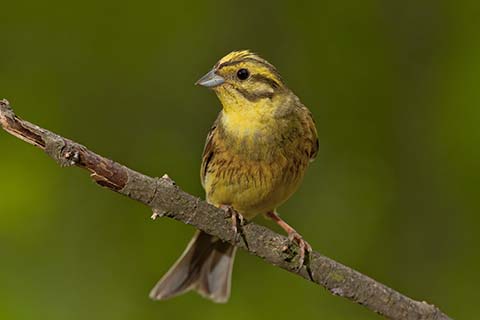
x,y
205,266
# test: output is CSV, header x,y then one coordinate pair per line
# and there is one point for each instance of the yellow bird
x,y
254,159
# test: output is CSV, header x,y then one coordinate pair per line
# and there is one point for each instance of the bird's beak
x,y
210,80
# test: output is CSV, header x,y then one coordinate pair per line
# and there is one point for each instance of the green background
x,y
394,193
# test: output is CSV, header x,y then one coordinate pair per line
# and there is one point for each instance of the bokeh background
x,y
394,193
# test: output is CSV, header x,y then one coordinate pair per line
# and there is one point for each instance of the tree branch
x,y
165,198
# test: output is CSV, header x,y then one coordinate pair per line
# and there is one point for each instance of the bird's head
x,y
242,78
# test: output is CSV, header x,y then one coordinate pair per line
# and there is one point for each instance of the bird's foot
x,y
294,236
304,246
238,221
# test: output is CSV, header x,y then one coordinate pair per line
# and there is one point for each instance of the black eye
x,y
243,74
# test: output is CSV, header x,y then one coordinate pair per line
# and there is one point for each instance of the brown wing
x,y
313,131
307,116
208,150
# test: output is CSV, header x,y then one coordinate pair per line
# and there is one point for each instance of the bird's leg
x,y
293,236
237,221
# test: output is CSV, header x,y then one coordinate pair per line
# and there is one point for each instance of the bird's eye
x,y
243,74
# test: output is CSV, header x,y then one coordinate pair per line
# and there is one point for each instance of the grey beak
x,y
210,80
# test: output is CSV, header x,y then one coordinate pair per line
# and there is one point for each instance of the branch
x,y
165,198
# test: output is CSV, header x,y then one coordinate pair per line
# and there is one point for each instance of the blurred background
x,y
393,86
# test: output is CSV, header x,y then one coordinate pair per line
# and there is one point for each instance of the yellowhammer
x,y
254,159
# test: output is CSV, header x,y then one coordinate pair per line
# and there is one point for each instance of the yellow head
x,y
242,81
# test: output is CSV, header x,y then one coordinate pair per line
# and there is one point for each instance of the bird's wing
x,y
313,131
309,123
208,150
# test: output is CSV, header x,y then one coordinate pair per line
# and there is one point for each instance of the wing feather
x,y
208,150
313,131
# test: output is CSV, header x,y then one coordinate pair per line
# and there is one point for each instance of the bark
x,y
165,198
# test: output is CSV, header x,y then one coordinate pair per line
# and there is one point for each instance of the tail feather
x,y
205,266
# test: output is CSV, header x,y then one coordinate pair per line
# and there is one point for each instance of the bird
x,y
255,157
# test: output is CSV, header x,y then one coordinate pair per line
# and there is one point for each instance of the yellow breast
x,y
257,161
